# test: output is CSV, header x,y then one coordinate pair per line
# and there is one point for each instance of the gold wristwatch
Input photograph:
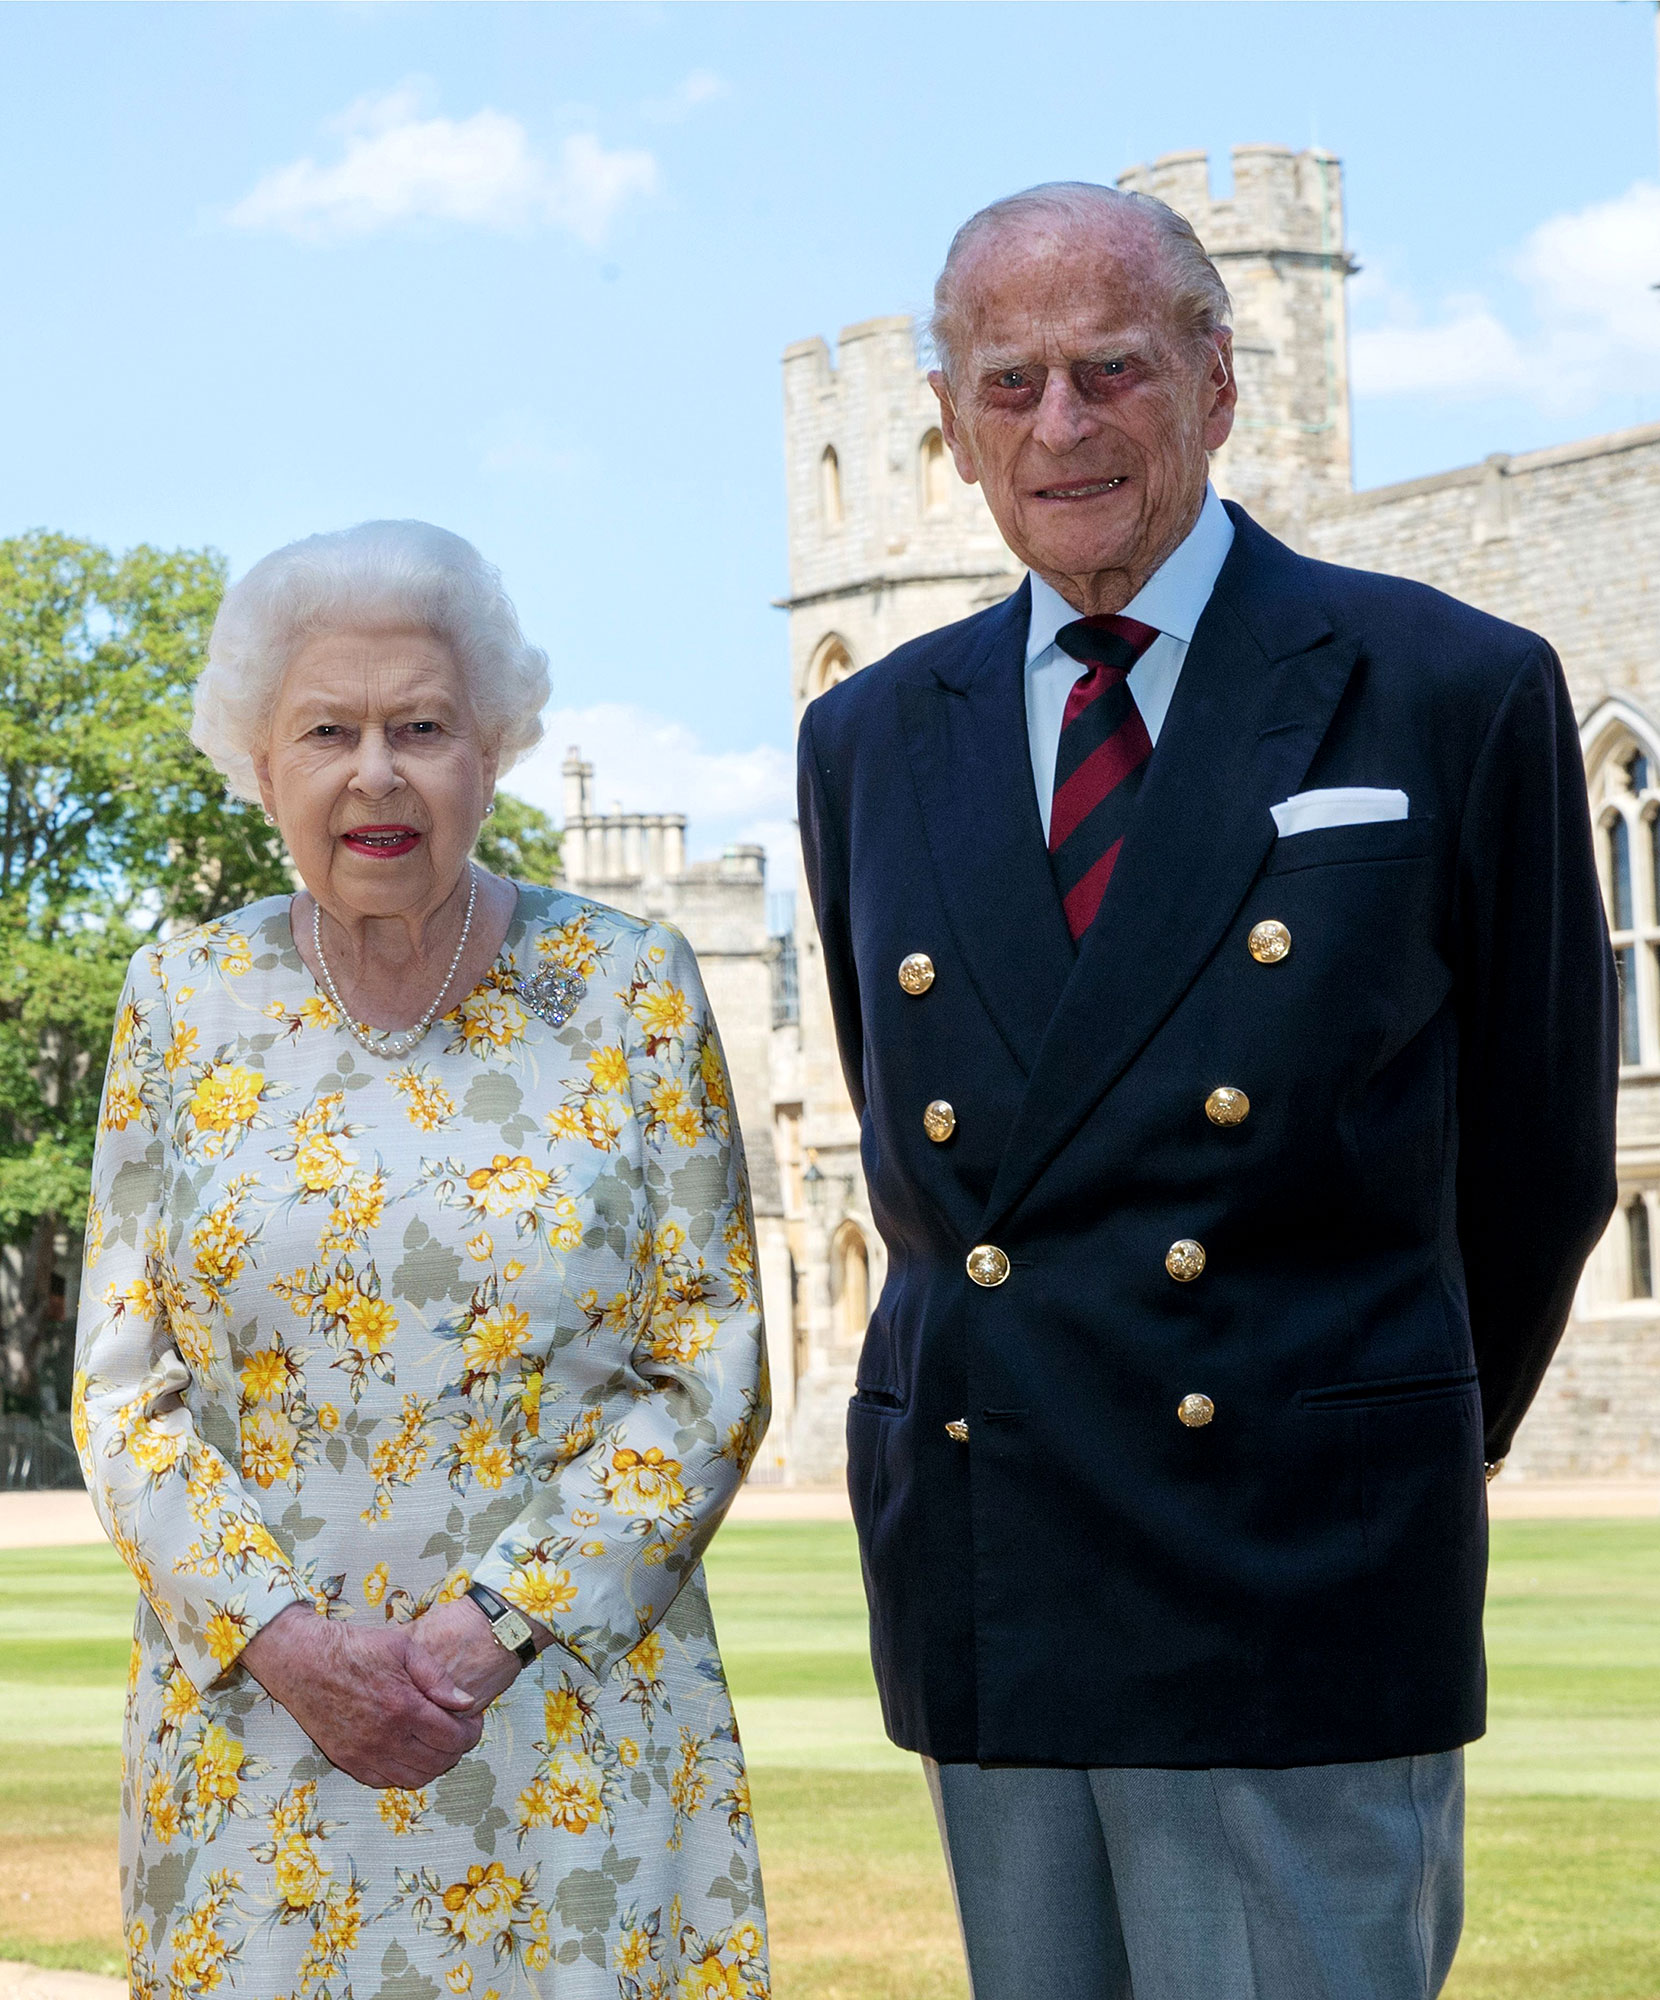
x,y
508,1627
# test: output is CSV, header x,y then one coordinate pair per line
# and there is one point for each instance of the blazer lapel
x,y
1261,682
965,733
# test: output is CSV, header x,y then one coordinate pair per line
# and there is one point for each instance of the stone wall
x,y
1564,541
1567,543
1277,240
637,862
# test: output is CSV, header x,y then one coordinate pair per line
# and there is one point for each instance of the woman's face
x,y
375,771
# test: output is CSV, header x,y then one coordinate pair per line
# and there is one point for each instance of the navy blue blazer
x,y
1392,1235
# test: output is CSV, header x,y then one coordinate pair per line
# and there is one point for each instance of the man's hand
x,y
459,1643
374,1701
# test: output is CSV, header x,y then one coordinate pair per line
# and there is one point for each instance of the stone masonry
x,y
885,543
637,862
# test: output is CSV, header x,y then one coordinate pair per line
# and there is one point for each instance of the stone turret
x,y
624,857
1278,243
886,542
637,862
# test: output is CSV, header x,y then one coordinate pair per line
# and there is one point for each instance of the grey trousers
x,y
1330,1882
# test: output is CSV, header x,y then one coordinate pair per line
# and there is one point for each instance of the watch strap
x,y
497,1609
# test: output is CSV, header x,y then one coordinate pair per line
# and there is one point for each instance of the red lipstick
x,y
383,842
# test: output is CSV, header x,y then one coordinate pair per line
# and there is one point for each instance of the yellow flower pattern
x,y
362,1332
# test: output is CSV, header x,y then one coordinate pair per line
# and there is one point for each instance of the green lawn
x,y
1564,1885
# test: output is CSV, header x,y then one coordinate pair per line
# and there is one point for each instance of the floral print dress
x,y
356,1331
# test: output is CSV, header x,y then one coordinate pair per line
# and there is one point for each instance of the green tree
x,y
112,827
518,841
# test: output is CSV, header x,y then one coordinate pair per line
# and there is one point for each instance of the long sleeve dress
x,y
356,1331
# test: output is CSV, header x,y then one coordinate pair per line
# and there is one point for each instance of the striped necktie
x,y
1103,752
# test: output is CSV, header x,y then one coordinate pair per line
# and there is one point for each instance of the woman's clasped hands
x,y
396,1705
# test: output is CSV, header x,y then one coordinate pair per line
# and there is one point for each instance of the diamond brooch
x,y
550,994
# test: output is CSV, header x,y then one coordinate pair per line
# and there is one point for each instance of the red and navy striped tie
x,y
1103,753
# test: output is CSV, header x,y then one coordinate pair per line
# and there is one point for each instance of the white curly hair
x,y
378,574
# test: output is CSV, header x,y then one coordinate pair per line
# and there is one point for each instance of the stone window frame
x,y
850,1246
830,663
1624,811
932,451
1646,1203
832,510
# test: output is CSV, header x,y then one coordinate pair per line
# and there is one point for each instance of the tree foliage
x,y
113,829
108,816
518,841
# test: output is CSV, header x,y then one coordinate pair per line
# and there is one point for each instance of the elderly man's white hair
x,y
1199,304
378,575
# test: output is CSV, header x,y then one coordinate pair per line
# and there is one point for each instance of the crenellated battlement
x,y
1278,242
876,510
1282,202
886,541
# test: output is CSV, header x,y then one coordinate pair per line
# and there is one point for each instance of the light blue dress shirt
x,y
1171,600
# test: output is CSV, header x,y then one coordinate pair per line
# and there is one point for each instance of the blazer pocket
x,y
1388,1390
878,1402
1366,840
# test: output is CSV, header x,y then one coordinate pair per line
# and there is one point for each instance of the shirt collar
x,y
1171,600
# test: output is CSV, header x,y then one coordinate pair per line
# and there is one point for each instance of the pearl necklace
x,y
388,1041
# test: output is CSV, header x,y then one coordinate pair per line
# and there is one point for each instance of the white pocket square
x,y
1342,805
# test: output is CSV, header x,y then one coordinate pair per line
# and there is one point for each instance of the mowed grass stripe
x,y
1564,1899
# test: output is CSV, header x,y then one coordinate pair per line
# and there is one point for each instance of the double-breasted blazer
x,y
1061,1570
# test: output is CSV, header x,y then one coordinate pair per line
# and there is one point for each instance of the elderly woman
x,y
421,1356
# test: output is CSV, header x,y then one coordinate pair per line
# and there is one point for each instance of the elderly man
x,y
1222,983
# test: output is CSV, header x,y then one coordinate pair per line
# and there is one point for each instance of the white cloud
x,y
698,86
1469,352
1591,324
647,762
517,443
401,166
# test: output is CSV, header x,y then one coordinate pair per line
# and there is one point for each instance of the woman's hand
x,y
376,1702
458,1640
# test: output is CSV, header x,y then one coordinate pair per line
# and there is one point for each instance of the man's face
x,y
1079,407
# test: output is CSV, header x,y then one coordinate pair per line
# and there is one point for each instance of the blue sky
x,y
528,270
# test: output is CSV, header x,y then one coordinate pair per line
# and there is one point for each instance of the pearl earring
x,y
490,810
268,819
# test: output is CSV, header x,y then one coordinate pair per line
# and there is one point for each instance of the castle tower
x,y
886,542
1278,243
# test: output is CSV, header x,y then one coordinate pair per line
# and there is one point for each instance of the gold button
x,y
987,1265
957,1430
1227,1106
1196,1411
1270,942
1185,1260
939,1121
916,973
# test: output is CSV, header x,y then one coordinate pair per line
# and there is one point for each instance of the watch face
x,y
512,1631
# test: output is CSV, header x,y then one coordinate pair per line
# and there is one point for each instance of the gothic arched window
x,y
934,475
1625,806
1619,872
831,662
1638,1244
850,1281
830,488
